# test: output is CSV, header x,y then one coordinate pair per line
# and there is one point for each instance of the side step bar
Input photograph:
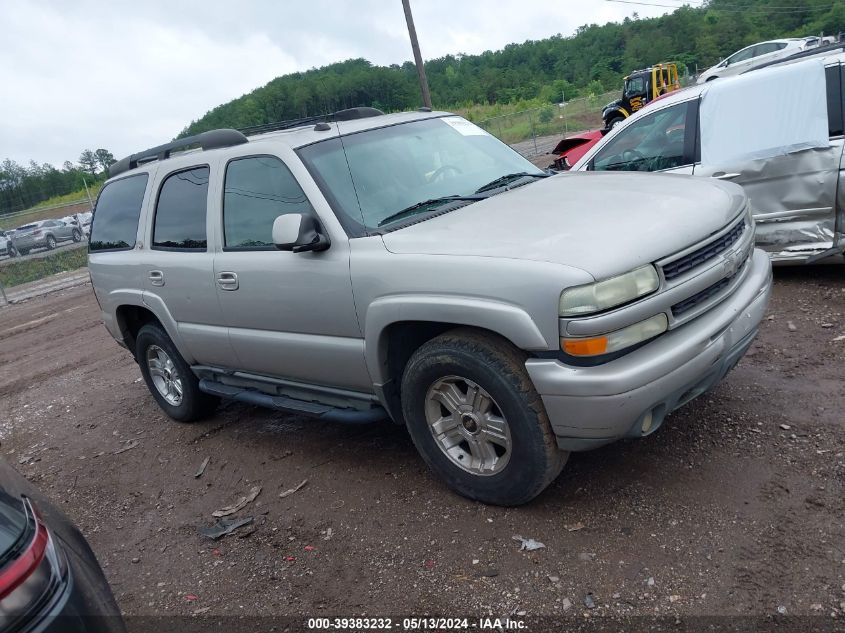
x,y
290,405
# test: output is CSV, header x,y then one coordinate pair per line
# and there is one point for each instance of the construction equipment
x,y
640,88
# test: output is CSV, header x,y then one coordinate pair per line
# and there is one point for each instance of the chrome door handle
x,y
156,278
720,175
227,281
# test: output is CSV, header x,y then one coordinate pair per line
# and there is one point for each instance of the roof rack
x,y
213,139
216,139
349,114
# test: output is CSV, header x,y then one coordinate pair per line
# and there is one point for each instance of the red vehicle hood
x,y
574,147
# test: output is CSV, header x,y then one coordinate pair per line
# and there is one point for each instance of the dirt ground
x,y
735,507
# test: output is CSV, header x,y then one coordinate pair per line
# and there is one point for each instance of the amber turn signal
x,y
585,346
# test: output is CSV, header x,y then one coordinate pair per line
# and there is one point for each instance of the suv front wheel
x,y
169,378
477,420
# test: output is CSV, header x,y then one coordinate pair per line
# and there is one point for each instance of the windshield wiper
x,y
419,207
507,178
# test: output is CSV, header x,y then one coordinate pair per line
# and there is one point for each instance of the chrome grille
x,y
704,254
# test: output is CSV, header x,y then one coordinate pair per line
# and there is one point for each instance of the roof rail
x,y
213,139
349,114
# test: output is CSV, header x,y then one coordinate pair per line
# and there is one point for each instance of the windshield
x,y
388,170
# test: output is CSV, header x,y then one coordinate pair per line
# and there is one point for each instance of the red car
x,y
570,150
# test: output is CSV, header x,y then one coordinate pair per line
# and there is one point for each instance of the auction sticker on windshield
x,y
463,126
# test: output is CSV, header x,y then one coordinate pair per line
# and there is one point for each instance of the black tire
x,y
76,235
614,121
495,365
51,242
195,404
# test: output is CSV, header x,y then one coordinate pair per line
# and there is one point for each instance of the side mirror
x,y
299,233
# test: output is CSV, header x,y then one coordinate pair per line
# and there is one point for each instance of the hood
x,y
603,223
612,104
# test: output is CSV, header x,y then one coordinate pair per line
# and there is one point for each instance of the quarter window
x,y
181,210
653,143
257,191
833,81
115,222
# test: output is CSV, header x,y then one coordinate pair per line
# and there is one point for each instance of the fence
x,y
537,131
19,218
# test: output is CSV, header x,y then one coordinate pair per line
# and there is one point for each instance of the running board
x,y
290,405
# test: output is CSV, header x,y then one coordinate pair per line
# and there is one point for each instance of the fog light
x,y
647,421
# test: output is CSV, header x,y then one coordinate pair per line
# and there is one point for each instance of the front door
x,y
290,315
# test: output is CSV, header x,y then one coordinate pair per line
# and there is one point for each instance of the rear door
x,y
793,196
179,281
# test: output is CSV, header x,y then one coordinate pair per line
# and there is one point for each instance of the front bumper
x,y
592,406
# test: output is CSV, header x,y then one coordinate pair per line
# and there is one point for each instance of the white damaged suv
x,y
412,267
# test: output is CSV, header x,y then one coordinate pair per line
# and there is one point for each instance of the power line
x,y
758,10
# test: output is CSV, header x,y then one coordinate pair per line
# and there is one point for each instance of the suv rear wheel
x,y
477,420
169,378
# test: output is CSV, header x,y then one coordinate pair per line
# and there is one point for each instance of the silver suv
x,y
412,267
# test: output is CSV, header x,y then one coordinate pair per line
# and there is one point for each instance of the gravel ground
x,y
735,507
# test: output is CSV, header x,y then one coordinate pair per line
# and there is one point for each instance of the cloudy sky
x,y
125,75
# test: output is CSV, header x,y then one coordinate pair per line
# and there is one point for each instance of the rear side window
x,y
257,191
115,223
181,210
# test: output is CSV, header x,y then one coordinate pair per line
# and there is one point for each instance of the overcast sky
x,y
126,75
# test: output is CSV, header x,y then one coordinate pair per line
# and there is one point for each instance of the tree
x,y
88,161
104,158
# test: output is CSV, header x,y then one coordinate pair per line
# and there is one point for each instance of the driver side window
x,y
654,143
741,56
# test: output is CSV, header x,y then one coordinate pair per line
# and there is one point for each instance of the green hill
x,y
593,59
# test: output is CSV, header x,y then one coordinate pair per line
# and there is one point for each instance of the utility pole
x,y
415,45
88,193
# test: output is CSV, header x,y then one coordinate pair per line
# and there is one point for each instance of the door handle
x,y
227,281
720,175
156,278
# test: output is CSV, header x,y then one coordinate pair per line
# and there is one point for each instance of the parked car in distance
x,y
45,234
84,220
50,580
411,266
786,158
7,246
752,56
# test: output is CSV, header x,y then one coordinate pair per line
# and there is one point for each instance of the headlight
x,y
616,341
611,292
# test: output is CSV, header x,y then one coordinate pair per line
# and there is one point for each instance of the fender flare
x,y
507,320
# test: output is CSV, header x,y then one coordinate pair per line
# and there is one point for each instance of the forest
x,y
25,186
592,60
588,62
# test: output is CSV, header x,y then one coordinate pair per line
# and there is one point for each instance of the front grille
x,y
700,297
705,253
